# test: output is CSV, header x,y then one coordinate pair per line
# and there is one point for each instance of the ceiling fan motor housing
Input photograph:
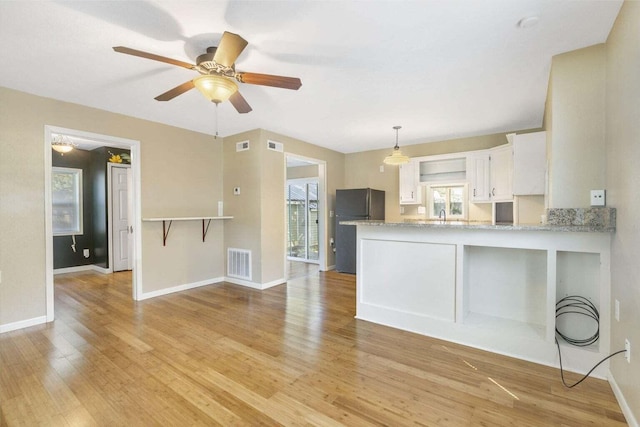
x,y
207,65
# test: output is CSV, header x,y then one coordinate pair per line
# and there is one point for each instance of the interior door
x,y
120,217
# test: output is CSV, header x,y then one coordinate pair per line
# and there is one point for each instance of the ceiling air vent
x,y
242,146
275,146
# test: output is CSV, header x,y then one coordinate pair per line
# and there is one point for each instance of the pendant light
x,y
396,158
62,144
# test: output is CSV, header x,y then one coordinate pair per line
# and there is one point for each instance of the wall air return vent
x,y
275,146
242,146
239,263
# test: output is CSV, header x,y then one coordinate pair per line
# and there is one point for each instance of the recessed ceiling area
x,y
442,69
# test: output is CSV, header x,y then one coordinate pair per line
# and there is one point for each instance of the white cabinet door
x,y
478,172
501,174
529,163
410,193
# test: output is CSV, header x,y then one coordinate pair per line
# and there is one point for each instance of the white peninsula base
x,y
489,287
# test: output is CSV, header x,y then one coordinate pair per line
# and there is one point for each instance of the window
x,y
450,198
66,197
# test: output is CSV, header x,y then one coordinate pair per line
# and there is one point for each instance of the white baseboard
x,y
79,268
626,410
331,267
179,288
22,324
102,269
254,285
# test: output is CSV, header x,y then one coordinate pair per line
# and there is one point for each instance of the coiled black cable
x,y
575,304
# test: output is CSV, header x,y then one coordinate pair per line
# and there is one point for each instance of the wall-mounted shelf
x,y
166,228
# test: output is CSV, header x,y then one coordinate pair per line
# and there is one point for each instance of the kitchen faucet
x,y
441,214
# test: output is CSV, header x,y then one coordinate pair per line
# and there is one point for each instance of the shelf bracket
x,y
205,230
165,231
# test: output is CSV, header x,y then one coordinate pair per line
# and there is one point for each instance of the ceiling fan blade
x,y
293,83
129,51
178,90
240,103
230,47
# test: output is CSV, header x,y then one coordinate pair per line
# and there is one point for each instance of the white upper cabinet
x,y
529,163
410,190
501,173
490,175
478,173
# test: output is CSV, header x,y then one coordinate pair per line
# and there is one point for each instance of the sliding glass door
x,y
302,219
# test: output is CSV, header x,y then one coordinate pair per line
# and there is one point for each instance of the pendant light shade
x,y
61,144
396,157
215,88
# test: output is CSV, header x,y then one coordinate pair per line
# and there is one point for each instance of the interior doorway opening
x,y
305,215
302,220
98,253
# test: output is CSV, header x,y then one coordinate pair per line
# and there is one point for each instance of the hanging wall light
x,y
61,144
396,158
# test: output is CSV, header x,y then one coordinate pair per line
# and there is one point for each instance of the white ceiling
x,y
441,69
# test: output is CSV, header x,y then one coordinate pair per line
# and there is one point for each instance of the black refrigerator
x,y
354,205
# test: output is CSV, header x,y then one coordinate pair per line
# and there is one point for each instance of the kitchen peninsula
x,y
488,286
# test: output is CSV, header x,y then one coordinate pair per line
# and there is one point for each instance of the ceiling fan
x,y
218,75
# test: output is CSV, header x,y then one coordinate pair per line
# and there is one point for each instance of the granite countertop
x,y
482,225
585,220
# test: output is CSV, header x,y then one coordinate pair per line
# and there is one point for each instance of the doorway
x,y
305,215
92,141
302,220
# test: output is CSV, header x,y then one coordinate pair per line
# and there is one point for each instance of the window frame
x,y
77,202
465,199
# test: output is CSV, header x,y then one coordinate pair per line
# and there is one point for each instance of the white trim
x,y
180,288
626,410
80,268
102,270
96,140
254,285
8,327
330,267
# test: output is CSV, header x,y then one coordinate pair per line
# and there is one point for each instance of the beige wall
x,y
577,146
259,211
181,175
243,169
623,176
363,170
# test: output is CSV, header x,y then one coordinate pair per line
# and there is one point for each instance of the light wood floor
x,y
298,269
290,355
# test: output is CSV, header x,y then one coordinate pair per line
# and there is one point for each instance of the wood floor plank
x,y
290,355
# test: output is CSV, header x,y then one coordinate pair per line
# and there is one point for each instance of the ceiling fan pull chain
x,y
216,137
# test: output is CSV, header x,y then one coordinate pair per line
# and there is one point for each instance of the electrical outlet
x,y
627,347
598,198
381,168
616,310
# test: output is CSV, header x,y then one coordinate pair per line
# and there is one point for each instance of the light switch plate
x,y
598,198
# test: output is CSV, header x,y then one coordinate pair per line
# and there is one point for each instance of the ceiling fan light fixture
x,y
215,88
62,144
396,157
